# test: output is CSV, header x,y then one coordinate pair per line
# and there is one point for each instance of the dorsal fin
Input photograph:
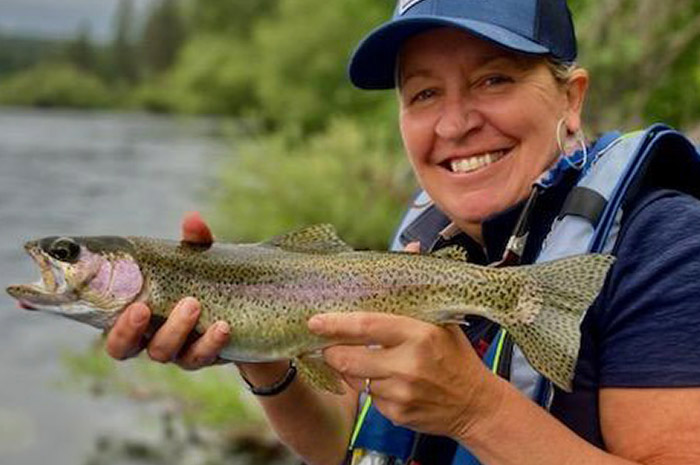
x,y
320,238
452,252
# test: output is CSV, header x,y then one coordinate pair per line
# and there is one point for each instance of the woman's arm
x,y
640,426
316,425
429,379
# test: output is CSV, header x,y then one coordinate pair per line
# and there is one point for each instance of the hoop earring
x,y
580,139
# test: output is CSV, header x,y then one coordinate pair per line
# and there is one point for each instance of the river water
x,y
81,173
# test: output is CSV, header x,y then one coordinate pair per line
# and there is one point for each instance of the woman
x,y
485,90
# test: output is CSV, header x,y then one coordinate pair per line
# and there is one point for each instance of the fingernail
x,y
138,315
189,306
316,324
222,330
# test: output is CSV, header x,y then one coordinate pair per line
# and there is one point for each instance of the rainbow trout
x,y
267,292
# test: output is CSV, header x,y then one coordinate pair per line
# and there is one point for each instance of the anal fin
x,y
314,371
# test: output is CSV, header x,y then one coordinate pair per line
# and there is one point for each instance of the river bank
x,y
67,172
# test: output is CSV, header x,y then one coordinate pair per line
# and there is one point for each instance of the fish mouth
x,y
51,290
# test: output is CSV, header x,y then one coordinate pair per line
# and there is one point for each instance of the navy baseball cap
x,y
540,27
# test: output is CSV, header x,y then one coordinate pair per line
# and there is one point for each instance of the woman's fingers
x,y
412,247
355,363
125,338
376,346
171,337
194,229
205,350
364,328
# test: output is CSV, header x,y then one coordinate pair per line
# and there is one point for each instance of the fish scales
x,y
268,296
268,291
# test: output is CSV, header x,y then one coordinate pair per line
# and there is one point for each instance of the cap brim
x,y
373,62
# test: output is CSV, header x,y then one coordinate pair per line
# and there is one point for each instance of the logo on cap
x,y
406,4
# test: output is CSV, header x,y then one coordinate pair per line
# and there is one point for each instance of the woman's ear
x,y
576,89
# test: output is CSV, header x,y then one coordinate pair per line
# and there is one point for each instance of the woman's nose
x,y
457,119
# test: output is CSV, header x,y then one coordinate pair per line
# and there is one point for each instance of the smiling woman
x,y
477,121
490,102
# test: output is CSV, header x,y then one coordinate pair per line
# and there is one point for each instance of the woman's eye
x,y
496,80
423,95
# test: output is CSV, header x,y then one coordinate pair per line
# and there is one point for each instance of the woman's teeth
x,y
465,165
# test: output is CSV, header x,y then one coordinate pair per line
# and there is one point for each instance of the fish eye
x,y
64,249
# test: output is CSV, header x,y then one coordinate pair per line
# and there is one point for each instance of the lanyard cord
x,y
516,243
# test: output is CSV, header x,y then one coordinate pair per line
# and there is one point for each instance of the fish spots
x,y
267,294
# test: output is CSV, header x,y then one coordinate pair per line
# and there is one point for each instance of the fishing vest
x,y
609,175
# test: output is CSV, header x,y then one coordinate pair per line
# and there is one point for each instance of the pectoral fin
x,y
314,371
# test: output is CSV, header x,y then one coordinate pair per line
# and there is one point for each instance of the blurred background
x,y
117,116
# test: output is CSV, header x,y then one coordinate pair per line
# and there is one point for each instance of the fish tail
x,y
553,300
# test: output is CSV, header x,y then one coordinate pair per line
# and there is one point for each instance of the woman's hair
x,y
562,71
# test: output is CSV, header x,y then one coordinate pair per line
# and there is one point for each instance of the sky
x,y
59,18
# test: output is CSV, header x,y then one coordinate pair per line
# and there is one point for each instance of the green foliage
x,y
302,55
162,36
53,85
155,96
21,53
124,59
214,76
352,176
212,398
204,416
642,56
284,61
80,51
234,19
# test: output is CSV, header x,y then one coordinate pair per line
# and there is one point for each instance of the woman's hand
x,y
127,337
423,376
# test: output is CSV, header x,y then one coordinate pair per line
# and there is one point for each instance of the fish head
x,y
90,279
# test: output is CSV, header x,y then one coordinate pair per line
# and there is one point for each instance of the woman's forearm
x,y
316,425
521,433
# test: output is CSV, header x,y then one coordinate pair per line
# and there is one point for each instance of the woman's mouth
x,y
473,163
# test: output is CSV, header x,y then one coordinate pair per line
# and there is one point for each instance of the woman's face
x,y
478,122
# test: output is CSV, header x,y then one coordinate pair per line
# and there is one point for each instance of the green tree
x,y
215,75
80,51
162,37
302,54
55,85
21,53
644,58
216,70
231,18
272,186
124,60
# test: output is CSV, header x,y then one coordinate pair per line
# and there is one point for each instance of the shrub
x,y
55,85
351,176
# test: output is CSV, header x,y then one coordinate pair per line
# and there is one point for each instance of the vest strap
x,y
584,202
